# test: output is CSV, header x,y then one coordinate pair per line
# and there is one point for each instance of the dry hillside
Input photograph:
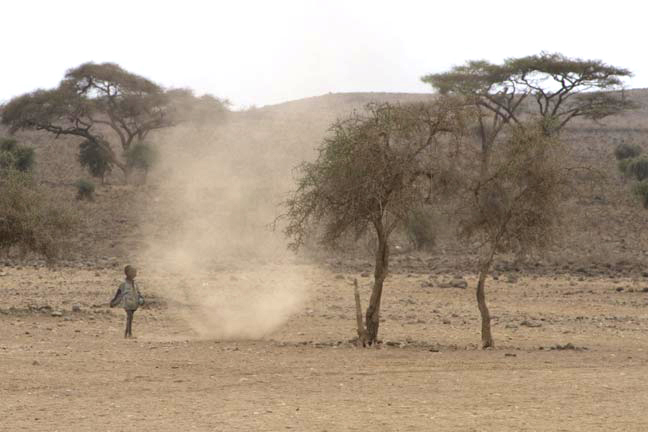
x,y
244,166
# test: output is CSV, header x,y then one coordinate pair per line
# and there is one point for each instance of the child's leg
x,y
130,327
129,323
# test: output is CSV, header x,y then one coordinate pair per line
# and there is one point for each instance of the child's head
x,y
130,272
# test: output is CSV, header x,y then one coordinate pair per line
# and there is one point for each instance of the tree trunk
x,y
362,333
486,336
488,139
372,318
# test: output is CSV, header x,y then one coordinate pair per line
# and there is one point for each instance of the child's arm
x,y
115,301
140,297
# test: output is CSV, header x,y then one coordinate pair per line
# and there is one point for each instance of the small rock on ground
x,y
530,324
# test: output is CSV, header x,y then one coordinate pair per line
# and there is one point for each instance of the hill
x,y
217,188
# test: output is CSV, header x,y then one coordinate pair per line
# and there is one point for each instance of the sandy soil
x,y
75,372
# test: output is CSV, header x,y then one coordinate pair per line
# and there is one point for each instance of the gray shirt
x,y
128,295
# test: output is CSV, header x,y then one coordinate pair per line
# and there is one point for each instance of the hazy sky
x,y
264,52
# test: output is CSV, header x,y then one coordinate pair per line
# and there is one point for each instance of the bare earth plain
x,y
571,355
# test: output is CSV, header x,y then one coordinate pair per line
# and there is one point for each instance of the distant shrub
x,y
638,168
29,219
7,160
95,158
141,155
8,144
25,158
16,156
626,151
85,190
641,191
420,230
623,165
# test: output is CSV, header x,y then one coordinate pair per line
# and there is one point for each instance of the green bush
x,y
30,220
623,165
95,158
85,190
419,228
141,155
626,151
638,168
641,191
14,155
25,158
7,160
8,144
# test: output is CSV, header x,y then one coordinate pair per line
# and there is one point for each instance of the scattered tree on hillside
x,y
131,105
563,89
370,171
95,98
485,87
61,111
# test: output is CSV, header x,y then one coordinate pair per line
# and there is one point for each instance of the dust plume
x,y
214,195
248,306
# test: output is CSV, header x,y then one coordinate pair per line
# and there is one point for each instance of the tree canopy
x,y
129,104
94,97
371,170
563,88
514,205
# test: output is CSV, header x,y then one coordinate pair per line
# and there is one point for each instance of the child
x,y
129,297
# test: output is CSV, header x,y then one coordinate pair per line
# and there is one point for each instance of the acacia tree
x,y
489,89
563,88
93,98
60,111
514,206
566,88
369,173
131,105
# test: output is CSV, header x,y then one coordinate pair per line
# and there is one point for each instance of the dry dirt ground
x,y
75,372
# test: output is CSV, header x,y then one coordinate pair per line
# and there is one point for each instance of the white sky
x,y
265,52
